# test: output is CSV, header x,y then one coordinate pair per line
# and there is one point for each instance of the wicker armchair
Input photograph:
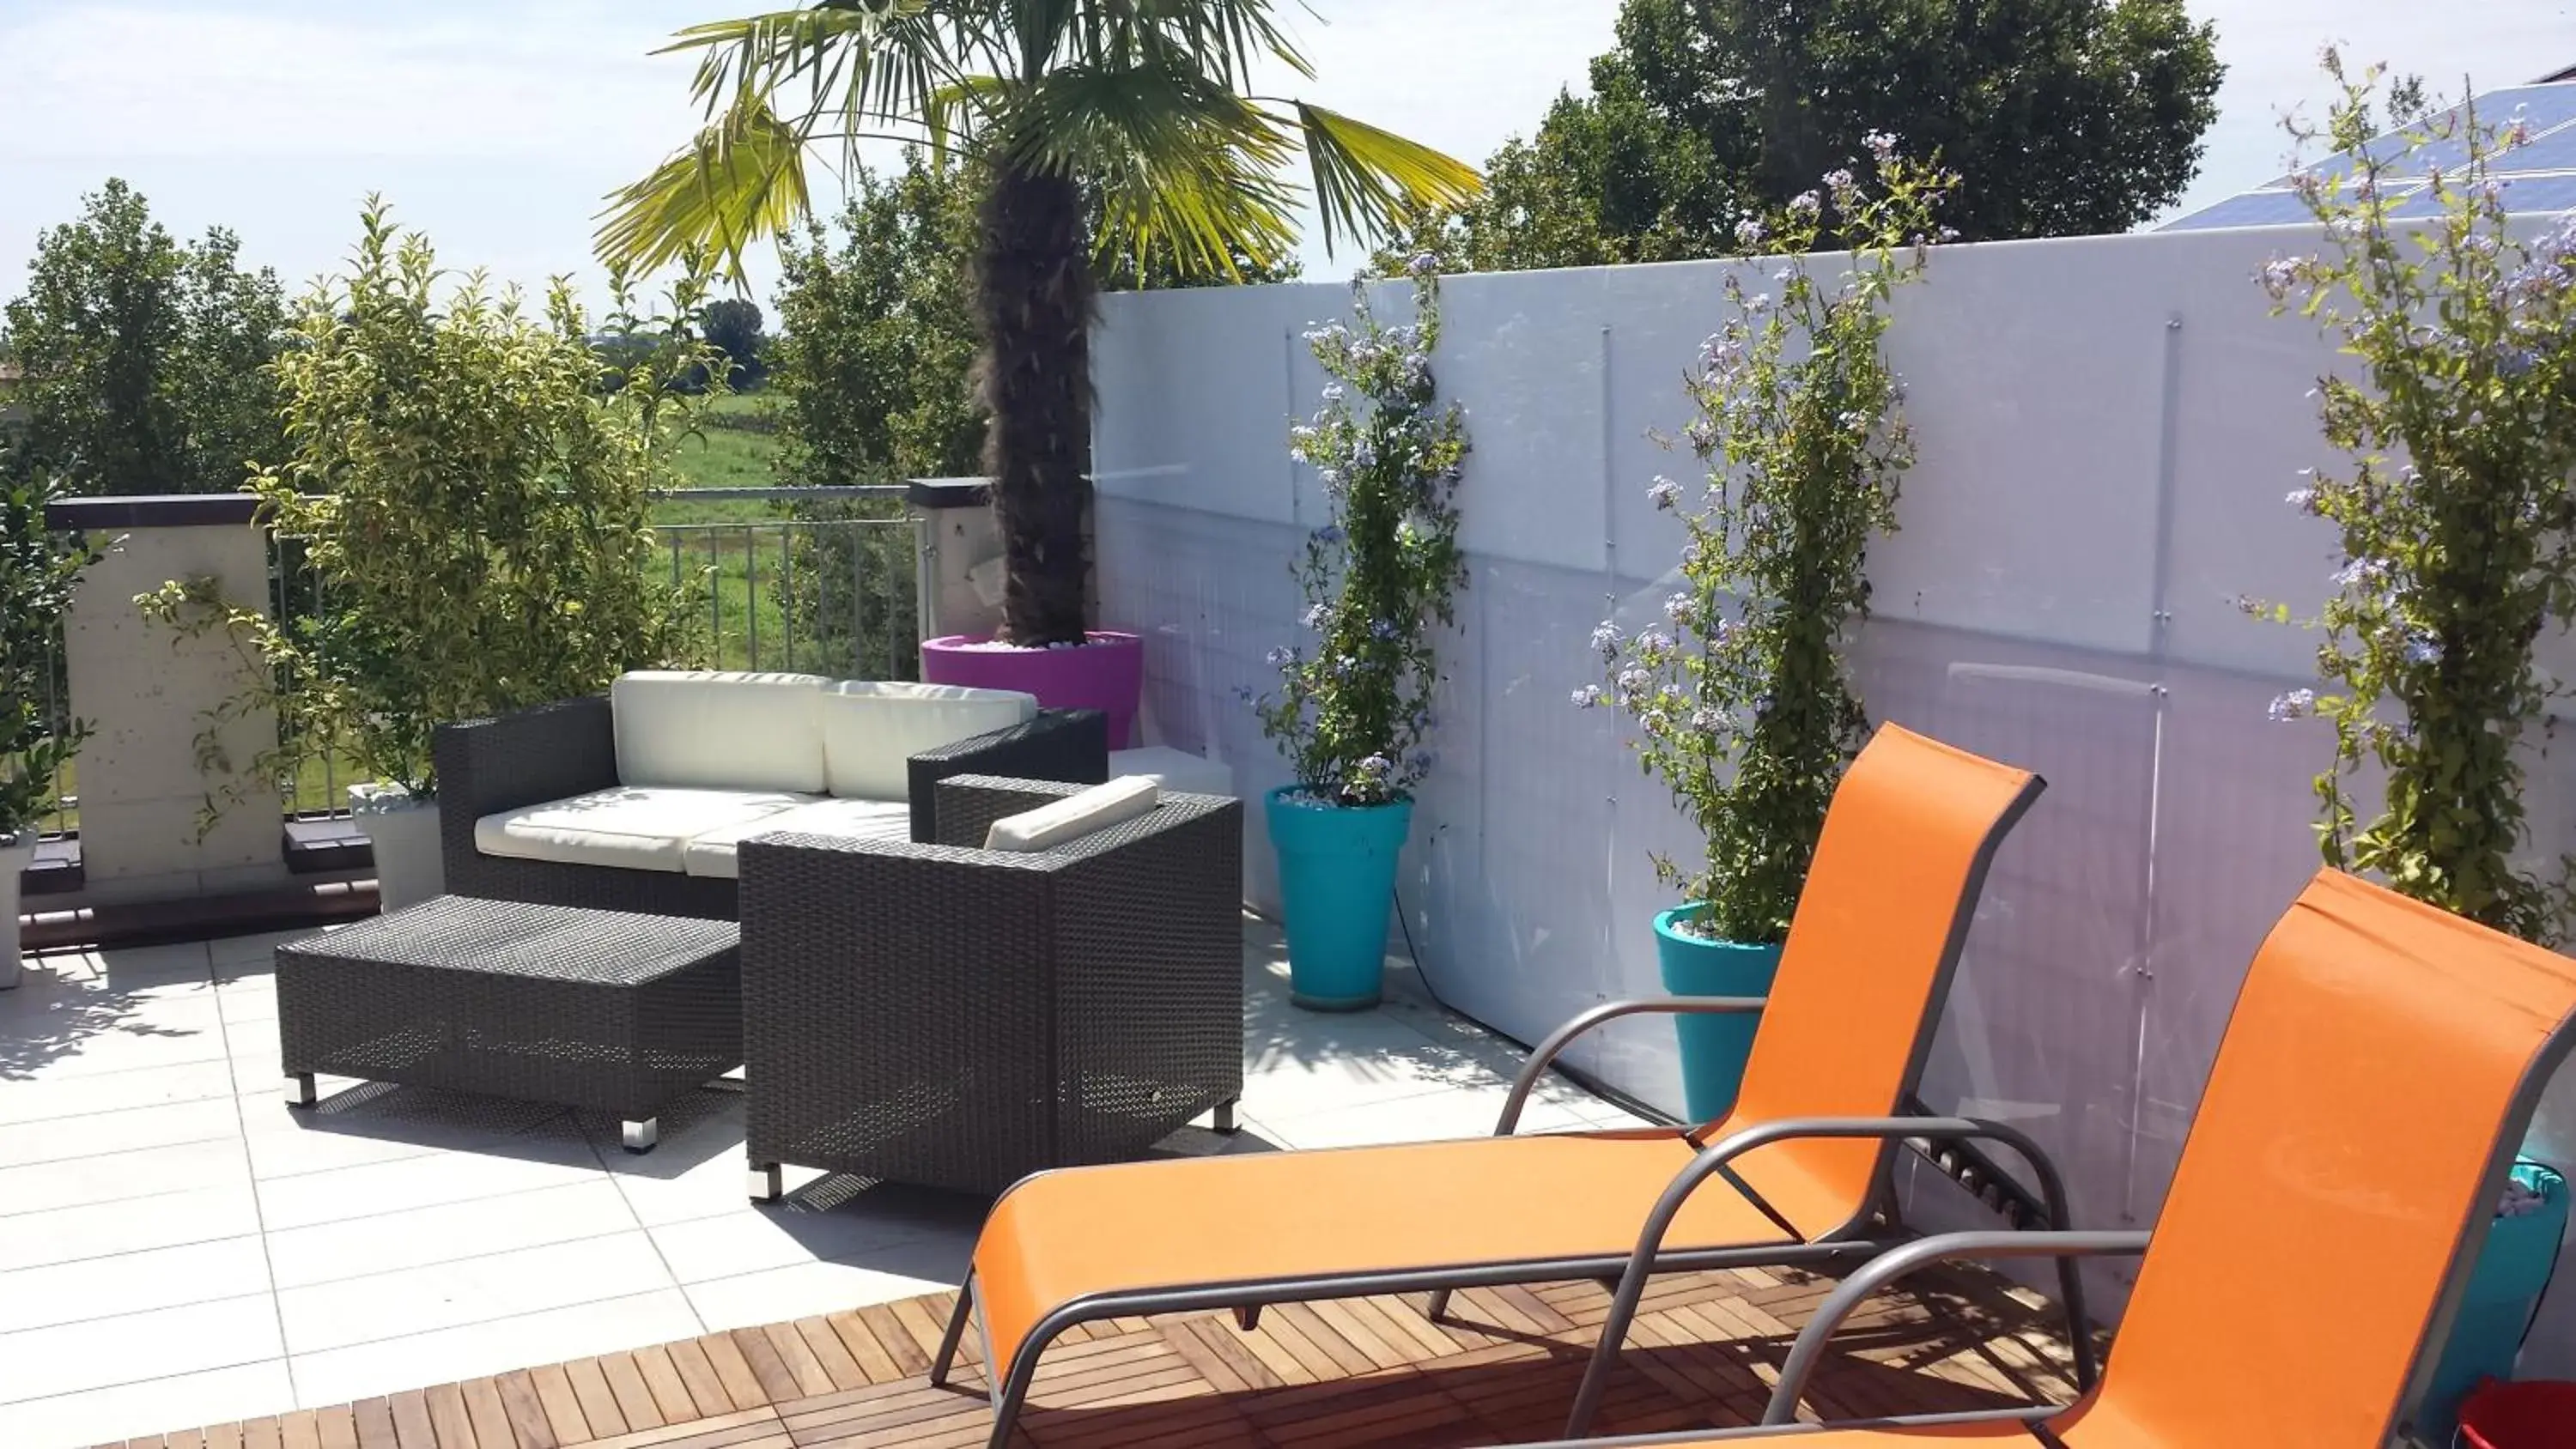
x,y
952,1017
557,751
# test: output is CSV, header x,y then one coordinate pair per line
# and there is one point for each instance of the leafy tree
x,y
1144,117
145,358
474,504
732,326
2061,117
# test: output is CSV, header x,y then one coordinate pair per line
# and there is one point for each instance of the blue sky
x,y
497,127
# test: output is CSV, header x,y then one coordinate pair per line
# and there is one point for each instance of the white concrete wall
x,y
2107,425
145,692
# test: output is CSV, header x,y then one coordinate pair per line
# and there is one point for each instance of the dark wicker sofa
x,y
566,749
948,1016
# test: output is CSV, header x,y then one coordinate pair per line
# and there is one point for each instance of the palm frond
x,y
1184,167
771,84
743,177
975,95
1367,180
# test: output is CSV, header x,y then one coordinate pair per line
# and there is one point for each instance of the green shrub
x,y
472,496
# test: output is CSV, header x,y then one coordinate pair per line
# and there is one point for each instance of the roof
x,y
2541,174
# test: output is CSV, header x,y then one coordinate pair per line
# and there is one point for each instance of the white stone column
x,y
147,693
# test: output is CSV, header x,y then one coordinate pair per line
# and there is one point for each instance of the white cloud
x,y
120,81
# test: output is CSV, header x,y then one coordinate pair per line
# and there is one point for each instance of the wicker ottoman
x,y
613,1011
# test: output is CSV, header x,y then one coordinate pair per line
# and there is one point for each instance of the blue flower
x,y
1330,534
2282,273
1665,492
1681,609
2302,499
1806,203
1707,721
1422,264
1881,144
1839,179
1383,629
2423,649
1606,638
2297,704
1278,657
1749,233
1588,697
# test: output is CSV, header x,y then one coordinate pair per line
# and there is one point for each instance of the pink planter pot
x,y
1107,674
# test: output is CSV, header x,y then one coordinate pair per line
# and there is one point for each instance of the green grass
x,y
722,541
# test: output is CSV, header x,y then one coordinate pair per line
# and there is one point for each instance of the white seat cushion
x,y
1177,771
1074,816
705,730
631,827
716,852
871,730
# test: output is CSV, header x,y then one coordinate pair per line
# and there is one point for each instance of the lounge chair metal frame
x,y
1851,1240
1779,1419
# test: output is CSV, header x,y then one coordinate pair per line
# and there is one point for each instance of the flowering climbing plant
x,y
1354,704
1743,704
2456,506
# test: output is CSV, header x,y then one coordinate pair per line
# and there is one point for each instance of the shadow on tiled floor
x,y
178,1247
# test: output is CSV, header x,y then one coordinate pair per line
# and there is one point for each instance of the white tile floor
x,y
178,1248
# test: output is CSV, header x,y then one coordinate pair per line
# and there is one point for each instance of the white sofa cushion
x,y
716,853
872,729
705,730
1074,816
631,827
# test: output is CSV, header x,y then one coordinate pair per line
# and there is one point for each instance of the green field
x,y
741,548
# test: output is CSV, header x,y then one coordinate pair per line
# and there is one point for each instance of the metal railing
x,y
824,582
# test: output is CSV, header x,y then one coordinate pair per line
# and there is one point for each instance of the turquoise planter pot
x,y
1713,1047
2513,1268
1336,875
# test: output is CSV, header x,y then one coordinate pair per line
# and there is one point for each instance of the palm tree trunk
x,y
1035,298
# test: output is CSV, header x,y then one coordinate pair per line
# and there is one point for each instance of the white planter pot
x,y
403,830
16,854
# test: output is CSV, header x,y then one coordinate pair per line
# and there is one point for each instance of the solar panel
x,y
2543,173
2255,208
2555,151
2543,194
2542,106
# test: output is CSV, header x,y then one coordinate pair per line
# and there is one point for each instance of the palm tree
x,y
1142,112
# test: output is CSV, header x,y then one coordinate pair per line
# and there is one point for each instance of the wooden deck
x,y
1315,1376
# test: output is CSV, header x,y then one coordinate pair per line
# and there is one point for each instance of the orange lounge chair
x,y
1804,1157
2338,1181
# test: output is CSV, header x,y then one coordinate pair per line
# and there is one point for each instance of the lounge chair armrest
x,y
1876,1274
1070,745
1545,1054
1713,1160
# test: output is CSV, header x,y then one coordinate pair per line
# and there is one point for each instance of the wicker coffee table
x,y
614,1011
